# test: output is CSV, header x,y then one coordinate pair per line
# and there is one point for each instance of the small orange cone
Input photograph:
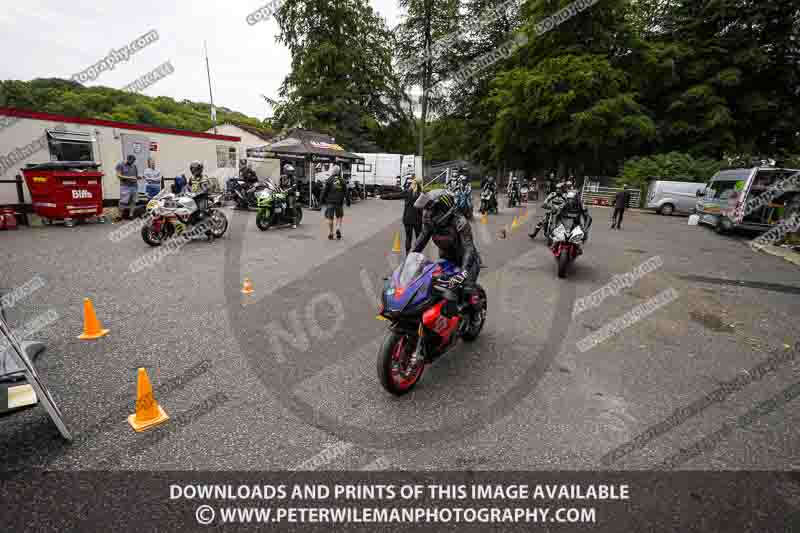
x,y
148,412
514,224
247,286
92,328
396,248
485,219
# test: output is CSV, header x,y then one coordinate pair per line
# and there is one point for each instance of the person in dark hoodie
x,y
412,217
620,204
334,196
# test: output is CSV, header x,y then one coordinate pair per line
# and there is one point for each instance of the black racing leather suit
x,y
456,244
248,175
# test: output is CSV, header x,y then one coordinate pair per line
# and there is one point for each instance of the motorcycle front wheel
x,y
394,360
263,221
299,214
563,263
150,237
219,224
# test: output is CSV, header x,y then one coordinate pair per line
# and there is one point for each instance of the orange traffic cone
x,y
485,219
92,329
247,286
514,224
148,412
396,248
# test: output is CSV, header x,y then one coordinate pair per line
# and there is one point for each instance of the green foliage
x,y
342,80
69,98
629,78
672,166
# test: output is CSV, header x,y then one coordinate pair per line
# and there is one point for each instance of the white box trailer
x,y
379,172
25,140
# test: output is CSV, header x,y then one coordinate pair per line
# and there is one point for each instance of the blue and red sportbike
x,y
427,319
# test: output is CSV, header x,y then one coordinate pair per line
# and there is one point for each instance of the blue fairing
x,y
418,290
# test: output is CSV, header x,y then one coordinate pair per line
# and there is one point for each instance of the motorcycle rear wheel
x,y
475,328
219,224
395,349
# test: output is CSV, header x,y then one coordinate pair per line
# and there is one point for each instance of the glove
x,y
457,280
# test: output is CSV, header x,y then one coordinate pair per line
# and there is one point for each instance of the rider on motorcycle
x,y
574,206
490,186
452,234
289,184
552,203
247,173
199,182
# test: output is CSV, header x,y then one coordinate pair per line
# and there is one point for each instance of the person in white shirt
x,y
153,179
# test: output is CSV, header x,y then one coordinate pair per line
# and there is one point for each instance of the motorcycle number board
x,y
34,380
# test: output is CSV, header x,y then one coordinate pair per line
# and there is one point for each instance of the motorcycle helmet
x,y
288,169
438,207
572,204
196,168
336,171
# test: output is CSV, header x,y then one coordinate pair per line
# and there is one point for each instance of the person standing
x,y
620,204
128,175
152,179
412,218
334,195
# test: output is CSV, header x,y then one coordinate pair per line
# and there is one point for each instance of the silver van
x,y
668,197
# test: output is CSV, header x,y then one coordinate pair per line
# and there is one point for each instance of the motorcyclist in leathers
x,y
289,184
553,202
452,234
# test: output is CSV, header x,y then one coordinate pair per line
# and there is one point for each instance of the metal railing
x,y
593,195
20,208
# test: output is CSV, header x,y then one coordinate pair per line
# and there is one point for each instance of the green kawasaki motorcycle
x,y
273,207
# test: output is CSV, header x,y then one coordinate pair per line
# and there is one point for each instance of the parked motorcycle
x,y
513,197
566,241
524,195
273,207
488,202
426,320
175,214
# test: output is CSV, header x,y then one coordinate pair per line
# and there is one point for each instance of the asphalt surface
x,y
285,378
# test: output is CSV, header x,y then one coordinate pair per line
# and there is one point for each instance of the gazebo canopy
x,y
304,144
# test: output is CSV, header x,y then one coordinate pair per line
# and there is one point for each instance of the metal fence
x,y
596,195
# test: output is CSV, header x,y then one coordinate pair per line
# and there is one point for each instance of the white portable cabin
x,y
25,139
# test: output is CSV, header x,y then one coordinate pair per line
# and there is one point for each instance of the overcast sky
x,y
58,38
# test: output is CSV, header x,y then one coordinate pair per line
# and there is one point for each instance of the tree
x,y
342,80
673,166
733,76
70,98
425,23
566,100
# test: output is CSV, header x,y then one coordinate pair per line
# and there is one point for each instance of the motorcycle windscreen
x,y
411,269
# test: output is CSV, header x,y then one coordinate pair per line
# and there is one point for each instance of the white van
x,y
730,200
668,197
379,172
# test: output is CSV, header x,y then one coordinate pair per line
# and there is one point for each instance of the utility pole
x,y
210,93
